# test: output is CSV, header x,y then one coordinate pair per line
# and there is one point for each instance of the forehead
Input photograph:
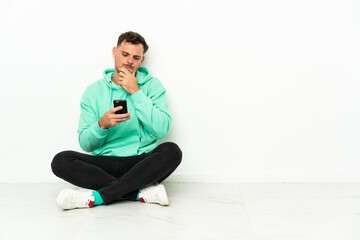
x,y
133,49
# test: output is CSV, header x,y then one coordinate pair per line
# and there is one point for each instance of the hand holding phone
x,y
109,120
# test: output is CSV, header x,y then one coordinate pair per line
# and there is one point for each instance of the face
x,y
129,56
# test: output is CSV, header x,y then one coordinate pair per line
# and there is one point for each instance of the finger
x,y
120,117
115,109
122,73
124,70
129,71
123,115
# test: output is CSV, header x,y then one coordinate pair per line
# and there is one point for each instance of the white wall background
x,y
260,91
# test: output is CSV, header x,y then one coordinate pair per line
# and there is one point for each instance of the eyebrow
x,y
129,54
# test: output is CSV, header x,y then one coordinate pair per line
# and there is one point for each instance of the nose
x,y
130,60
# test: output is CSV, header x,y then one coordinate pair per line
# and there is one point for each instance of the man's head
x,y
133,38
130,51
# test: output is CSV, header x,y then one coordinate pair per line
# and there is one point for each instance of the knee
x,y
58,164
173,151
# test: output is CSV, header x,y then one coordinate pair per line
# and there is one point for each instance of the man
x,y
126,162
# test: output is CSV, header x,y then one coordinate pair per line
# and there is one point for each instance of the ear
x,y
142,60
114,52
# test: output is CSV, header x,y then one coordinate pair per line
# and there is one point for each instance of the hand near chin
x,y
128,81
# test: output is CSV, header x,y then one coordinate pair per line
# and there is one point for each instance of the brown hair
x,y
134,38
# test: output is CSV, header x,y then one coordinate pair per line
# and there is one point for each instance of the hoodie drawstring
x,y
110,82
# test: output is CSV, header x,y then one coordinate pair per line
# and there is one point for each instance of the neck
x,y
116,76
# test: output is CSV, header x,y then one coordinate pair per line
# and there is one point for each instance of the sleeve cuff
x,y
138,97
98,131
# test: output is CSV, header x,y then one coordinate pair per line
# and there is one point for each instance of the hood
x,y
142,76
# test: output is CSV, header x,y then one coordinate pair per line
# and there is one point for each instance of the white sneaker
x,y
70,199
154,194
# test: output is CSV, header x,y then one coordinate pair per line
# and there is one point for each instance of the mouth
x,y
128,67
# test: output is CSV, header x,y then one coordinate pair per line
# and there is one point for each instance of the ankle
x,y
98,199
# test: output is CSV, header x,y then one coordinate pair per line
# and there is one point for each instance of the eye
x,y
137,58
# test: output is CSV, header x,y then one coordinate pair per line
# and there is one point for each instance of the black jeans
x,y
117,177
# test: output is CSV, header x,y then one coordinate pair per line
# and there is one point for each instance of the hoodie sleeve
x,y
91,136
152,109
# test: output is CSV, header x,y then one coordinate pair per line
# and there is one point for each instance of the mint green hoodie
x,y
150,118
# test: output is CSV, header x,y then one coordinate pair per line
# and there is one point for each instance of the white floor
x,y
197,211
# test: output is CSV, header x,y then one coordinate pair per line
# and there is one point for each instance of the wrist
x,y
134,91
101,125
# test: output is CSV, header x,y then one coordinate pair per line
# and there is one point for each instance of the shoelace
x,y
82,194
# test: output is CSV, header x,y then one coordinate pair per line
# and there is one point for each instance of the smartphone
x,y
122,103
